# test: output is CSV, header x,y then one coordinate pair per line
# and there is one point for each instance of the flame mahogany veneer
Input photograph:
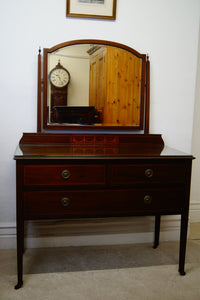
x,y
102,175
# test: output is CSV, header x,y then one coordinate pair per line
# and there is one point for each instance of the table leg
x,y
20,235
20,249
156,231
183,241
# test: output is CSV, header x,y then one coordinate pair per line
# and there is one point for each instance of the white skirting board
x,y
90,232
195,212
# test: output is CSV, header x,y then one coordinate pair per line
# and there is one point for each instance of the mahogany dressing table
x,y
110,168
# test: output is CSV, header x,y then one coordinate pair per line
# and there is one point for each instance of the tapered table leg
x,y
20,224
20,249
183,241
156,231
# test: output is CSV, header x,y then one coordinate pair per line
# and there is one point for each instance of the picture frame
x,y
96,9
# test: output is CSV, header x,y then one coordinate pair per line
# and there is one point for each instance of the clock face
x,y
59,77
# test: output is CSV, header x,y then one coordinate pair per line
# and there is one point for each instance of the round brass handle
x,y
149,173
147,199
65,201
65,174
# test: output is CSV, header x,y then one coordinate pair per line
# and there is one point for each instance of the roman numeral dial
x,y
59,76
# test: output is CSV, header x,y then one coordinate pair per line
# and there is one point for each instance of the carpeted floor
x,y
105,272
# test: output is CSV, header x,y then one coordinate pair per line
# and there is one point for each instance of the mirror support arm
x,y
39,93
147,105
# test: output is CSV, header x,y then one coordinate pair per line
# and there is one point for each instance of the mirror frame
x,y
42,114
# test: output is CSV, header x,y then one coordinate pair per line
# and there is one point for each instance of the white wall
x,y
195,187
166,29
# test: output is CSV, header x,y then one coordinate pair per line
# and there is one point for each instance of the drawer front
x,y
44,204
64,175
147,173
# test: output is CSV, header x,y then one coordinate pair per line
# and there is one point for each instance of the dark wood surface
x,y
70,176
39,103
147,108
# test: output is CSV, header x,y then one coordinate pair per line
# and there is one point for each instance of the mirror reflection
x,y
94,84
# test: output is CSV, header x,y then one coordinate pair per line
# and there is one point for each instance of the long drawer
x,y
53,204
147,173
58,175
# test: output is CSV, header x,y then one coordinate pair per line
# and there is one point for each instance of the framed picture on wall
x,y
100,9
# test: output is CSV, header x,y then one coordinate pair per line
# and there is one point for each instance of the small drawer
x,y
58,175
147,173
52,204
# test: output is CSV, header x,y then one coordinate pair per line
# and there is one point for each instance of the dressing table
x,y
110,166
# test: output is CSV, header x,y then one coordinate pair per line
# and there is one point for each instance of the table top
x,y
94,151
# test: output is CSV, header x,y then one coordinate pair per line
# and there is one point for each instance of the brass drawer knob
x,y
65,174
147,199
65,202
149,173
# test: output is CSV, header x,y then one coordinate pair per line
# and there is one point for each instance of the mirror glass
x,y
95,85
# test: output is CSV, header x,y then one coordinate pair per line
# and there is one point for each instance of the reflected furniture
x,y
75,115
76,170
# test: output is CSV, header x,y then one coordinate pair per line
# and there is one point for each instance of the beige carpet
x,y
87,281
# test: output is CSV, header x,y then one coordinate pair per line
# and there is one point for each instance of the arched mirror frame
x,y
42,115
